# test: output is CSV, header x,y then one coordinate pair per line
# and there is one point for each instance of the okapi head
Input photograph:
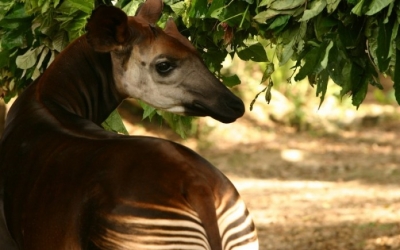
x,y
159,67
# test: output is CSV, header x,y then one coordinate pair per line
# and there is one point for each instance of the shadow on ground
x,y
310,158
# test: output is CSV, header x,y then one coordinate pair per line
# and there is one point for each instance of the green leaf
x,y
265,3
43,55
317,7
52,57
131,7
4,58
346,84
5,6
35,74
389,12
361,7
13,24
182,125
279,23
214,58
285,51
286,4
358,9
83,5
45,7
322,85
17,12
218,13
268,94
332,5
396,78
66,9
11,40
148,111
384,43
235,13
216,9
255,98
269,69
361,93
349,35
263,16
231,81
114,123
78,23
323,26
55,3
28,59
324,61
377,5
198,9
313,61
255,52
60,41
178,8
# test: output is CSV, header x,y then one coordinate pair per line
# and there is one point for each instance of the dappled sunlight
x,y
385,242
311,201
292,155
227,136
321,211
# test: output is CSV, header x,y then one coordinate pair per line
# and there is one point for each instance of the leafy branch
x,y
348,41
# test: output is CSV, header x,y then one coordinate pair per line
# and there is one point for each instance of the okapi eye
x,y
164,67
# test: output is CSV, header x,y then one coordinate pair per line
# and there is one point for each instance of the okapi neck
x,y
79,82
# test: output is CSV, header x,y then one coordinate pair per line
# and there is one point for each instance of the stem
x,y
244,16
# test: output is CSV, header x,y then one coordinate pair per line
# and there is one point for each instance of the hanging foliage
x,y
348,41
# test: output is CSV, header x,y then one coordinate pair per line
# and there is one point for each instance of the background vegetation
x,y
348,41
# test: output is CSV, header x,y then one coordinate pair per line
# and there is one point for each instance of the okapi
x,y
69,184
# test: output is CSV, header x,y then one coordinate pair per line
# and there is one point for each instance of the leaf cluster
x,y
32,33
348,41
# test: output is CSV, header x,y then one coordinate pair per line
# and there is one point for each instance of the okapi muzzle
x,y
66,183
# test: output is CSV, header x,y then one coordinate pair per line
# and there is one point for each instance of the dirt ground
x,y
307,190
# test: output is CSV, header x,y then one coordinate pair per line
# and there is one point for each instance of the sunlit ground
x,y
323,215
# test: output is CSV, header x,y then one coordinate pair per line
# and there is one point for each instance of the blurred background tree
x,y
351,42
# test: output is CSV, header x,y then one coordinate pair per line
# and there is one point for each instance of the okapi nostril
x,y
199,106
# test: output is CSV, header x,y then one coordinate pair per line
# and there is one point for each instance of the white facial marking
x,y
141,80
176,110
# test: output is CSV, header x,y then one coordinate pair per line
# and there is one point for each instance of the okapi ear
x,y
150,11
107,29
171,30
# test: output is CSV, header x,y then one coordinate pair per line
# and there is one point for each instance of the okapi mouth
x,y
224,112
